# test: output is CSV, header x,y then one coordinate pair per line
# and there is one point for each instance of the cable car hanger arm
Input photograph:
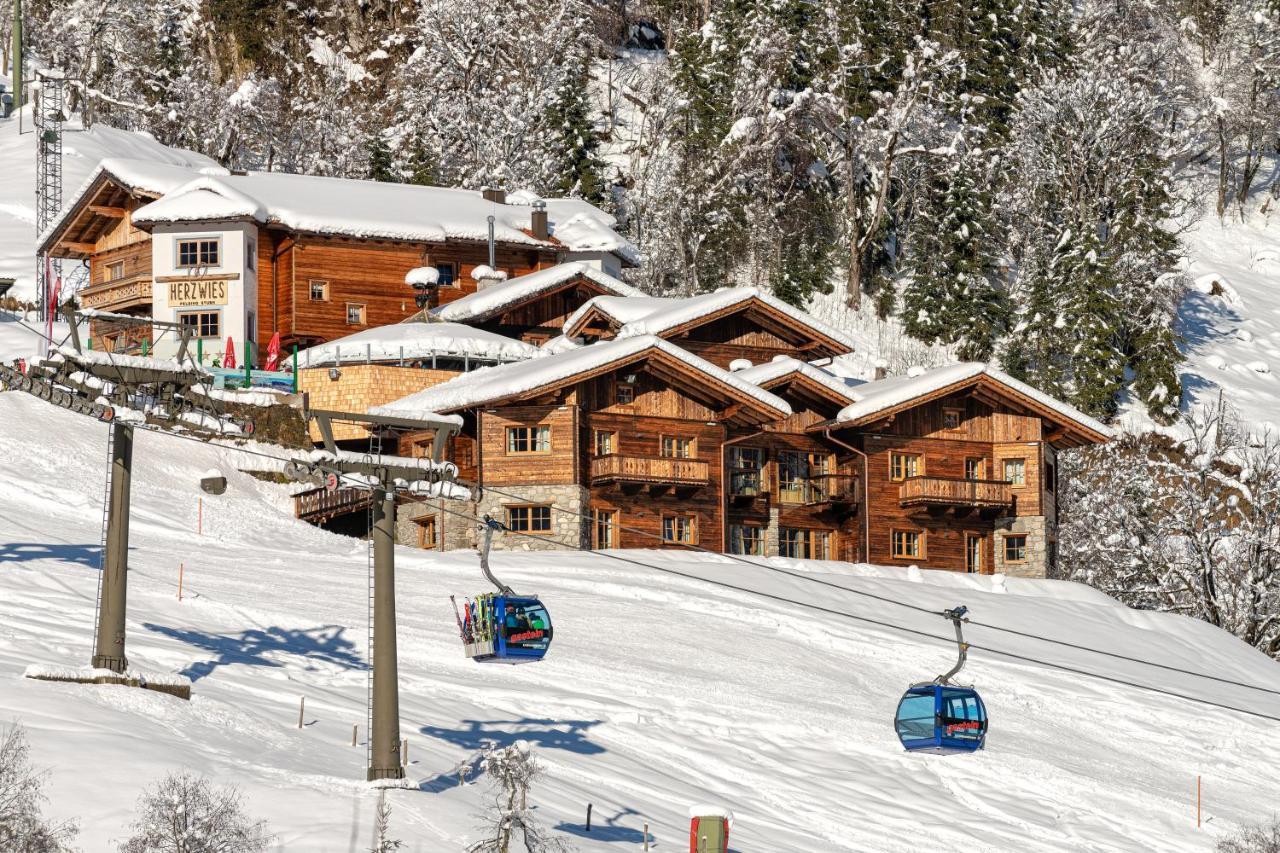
x,y
487,528
957,617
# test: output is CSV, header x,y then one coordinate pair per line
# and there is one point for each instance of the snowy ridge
x,y
881,394
495,383
784,365
628,712
494,299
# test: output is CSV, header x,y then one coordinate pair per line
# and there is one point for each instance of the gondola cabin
x,y
510,629
941,719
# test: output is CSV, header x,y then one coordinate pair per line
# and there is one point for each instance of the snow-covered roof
x,y
655,315
784,365
373,209
142,176
497,298
417,340
872,398
508,380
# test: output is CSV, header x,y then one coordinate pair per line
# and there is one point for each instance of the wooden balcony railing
x,y
128,292
650,469
317,505
819,489
955,491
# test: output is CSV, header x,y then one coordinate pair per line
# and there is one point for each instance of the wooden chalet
x,y
742,324
248,255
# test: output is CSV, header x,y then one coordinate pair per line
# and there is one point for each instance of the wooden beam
x,y
86,248
108,211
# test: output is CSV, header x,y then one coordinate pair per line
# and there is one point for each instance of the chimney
x,y
497,195
882,369
539,226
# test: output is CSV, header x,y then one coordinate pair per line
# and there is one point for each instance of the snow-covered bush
x,y
183,813
1190,527
22,828
1263,838
511,772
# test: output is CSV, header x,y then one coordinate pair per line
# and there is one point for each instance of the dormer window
x,y
199,253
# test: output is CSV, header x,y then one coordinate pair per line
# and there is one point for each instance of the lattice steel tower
x,y
49,116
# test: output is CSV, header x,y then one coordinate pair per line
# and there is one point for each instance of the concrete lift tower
x,y
384,476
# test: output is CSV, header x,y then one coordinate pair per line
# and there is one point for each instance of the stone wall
x,y
454,532
1038,531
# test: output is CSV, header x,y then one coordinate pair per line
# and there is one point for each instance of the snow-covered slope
x,y
659,692
82,150
1230,321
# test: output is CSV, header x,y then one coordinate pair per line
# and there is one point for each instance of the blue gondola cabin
x,y
941,719
506,629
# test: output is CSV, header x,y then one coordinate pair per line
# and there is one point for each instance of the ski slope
x,y
659,692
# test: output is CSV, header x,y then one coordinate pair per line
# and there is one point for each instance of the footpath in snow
x,y
659,691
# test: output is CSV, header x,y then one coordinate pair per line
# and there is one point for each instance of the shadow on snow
x,y
568,735
259,647
26,552
609,829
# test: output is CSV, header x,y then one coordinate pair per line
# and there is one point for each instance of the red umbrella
x,y
273,353
229,361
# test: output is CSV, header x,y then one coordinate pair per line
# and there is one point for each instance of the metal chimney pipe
x,y
493,260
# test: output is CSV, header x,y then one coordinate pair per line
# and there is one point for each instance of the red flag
x,y
273,353
229,360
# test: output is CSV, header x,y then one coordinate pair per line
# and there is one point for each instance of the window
x,y
606,442
319,290
1050,478
625,394
952,418
605,529
1015,548
908,544
1015,471
251,326
251,255
427,532
974,546
448,274
745,464
904,465
201,324
973,468
355,314
804,544
115,270
199,253
676,447
793,470
534,439
529,519
746,539
679,529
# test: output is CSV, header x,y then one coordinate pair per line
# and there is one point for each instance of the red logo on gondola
x,y
527,635
973,726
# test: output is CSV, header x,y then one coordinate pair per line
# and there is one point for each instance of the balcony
x,y
131,292
820,489
955,491
656,470
746,486
317,506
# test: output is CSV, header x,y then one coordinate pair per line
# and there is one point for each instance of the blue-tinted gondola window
x,y
527,626
915,717
962,716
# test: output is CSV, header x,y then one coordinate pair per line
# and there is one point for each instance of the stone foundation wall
x,y
568,529
1038,531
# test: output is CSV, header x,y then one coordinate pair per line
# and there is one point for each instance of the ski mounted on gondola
x,y
502,627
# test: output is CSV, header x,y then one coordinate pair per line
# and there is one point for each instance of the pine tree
x,y
952,295
579,172
380,164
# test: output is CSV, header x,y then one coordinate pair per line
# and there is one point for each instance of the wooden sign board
x,y
195,293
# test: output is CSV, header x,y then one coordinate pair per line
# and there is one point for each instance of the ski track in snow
x,y
659,691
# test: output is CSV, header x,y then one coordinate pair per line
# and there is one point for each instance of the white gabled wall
x,y
606,262
236,267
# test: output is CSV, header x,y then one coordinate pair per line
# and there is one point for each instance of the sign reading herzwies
x,y
197,292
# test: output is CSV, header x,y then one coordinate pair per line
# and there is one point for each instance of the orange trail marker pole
x,y
181,568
